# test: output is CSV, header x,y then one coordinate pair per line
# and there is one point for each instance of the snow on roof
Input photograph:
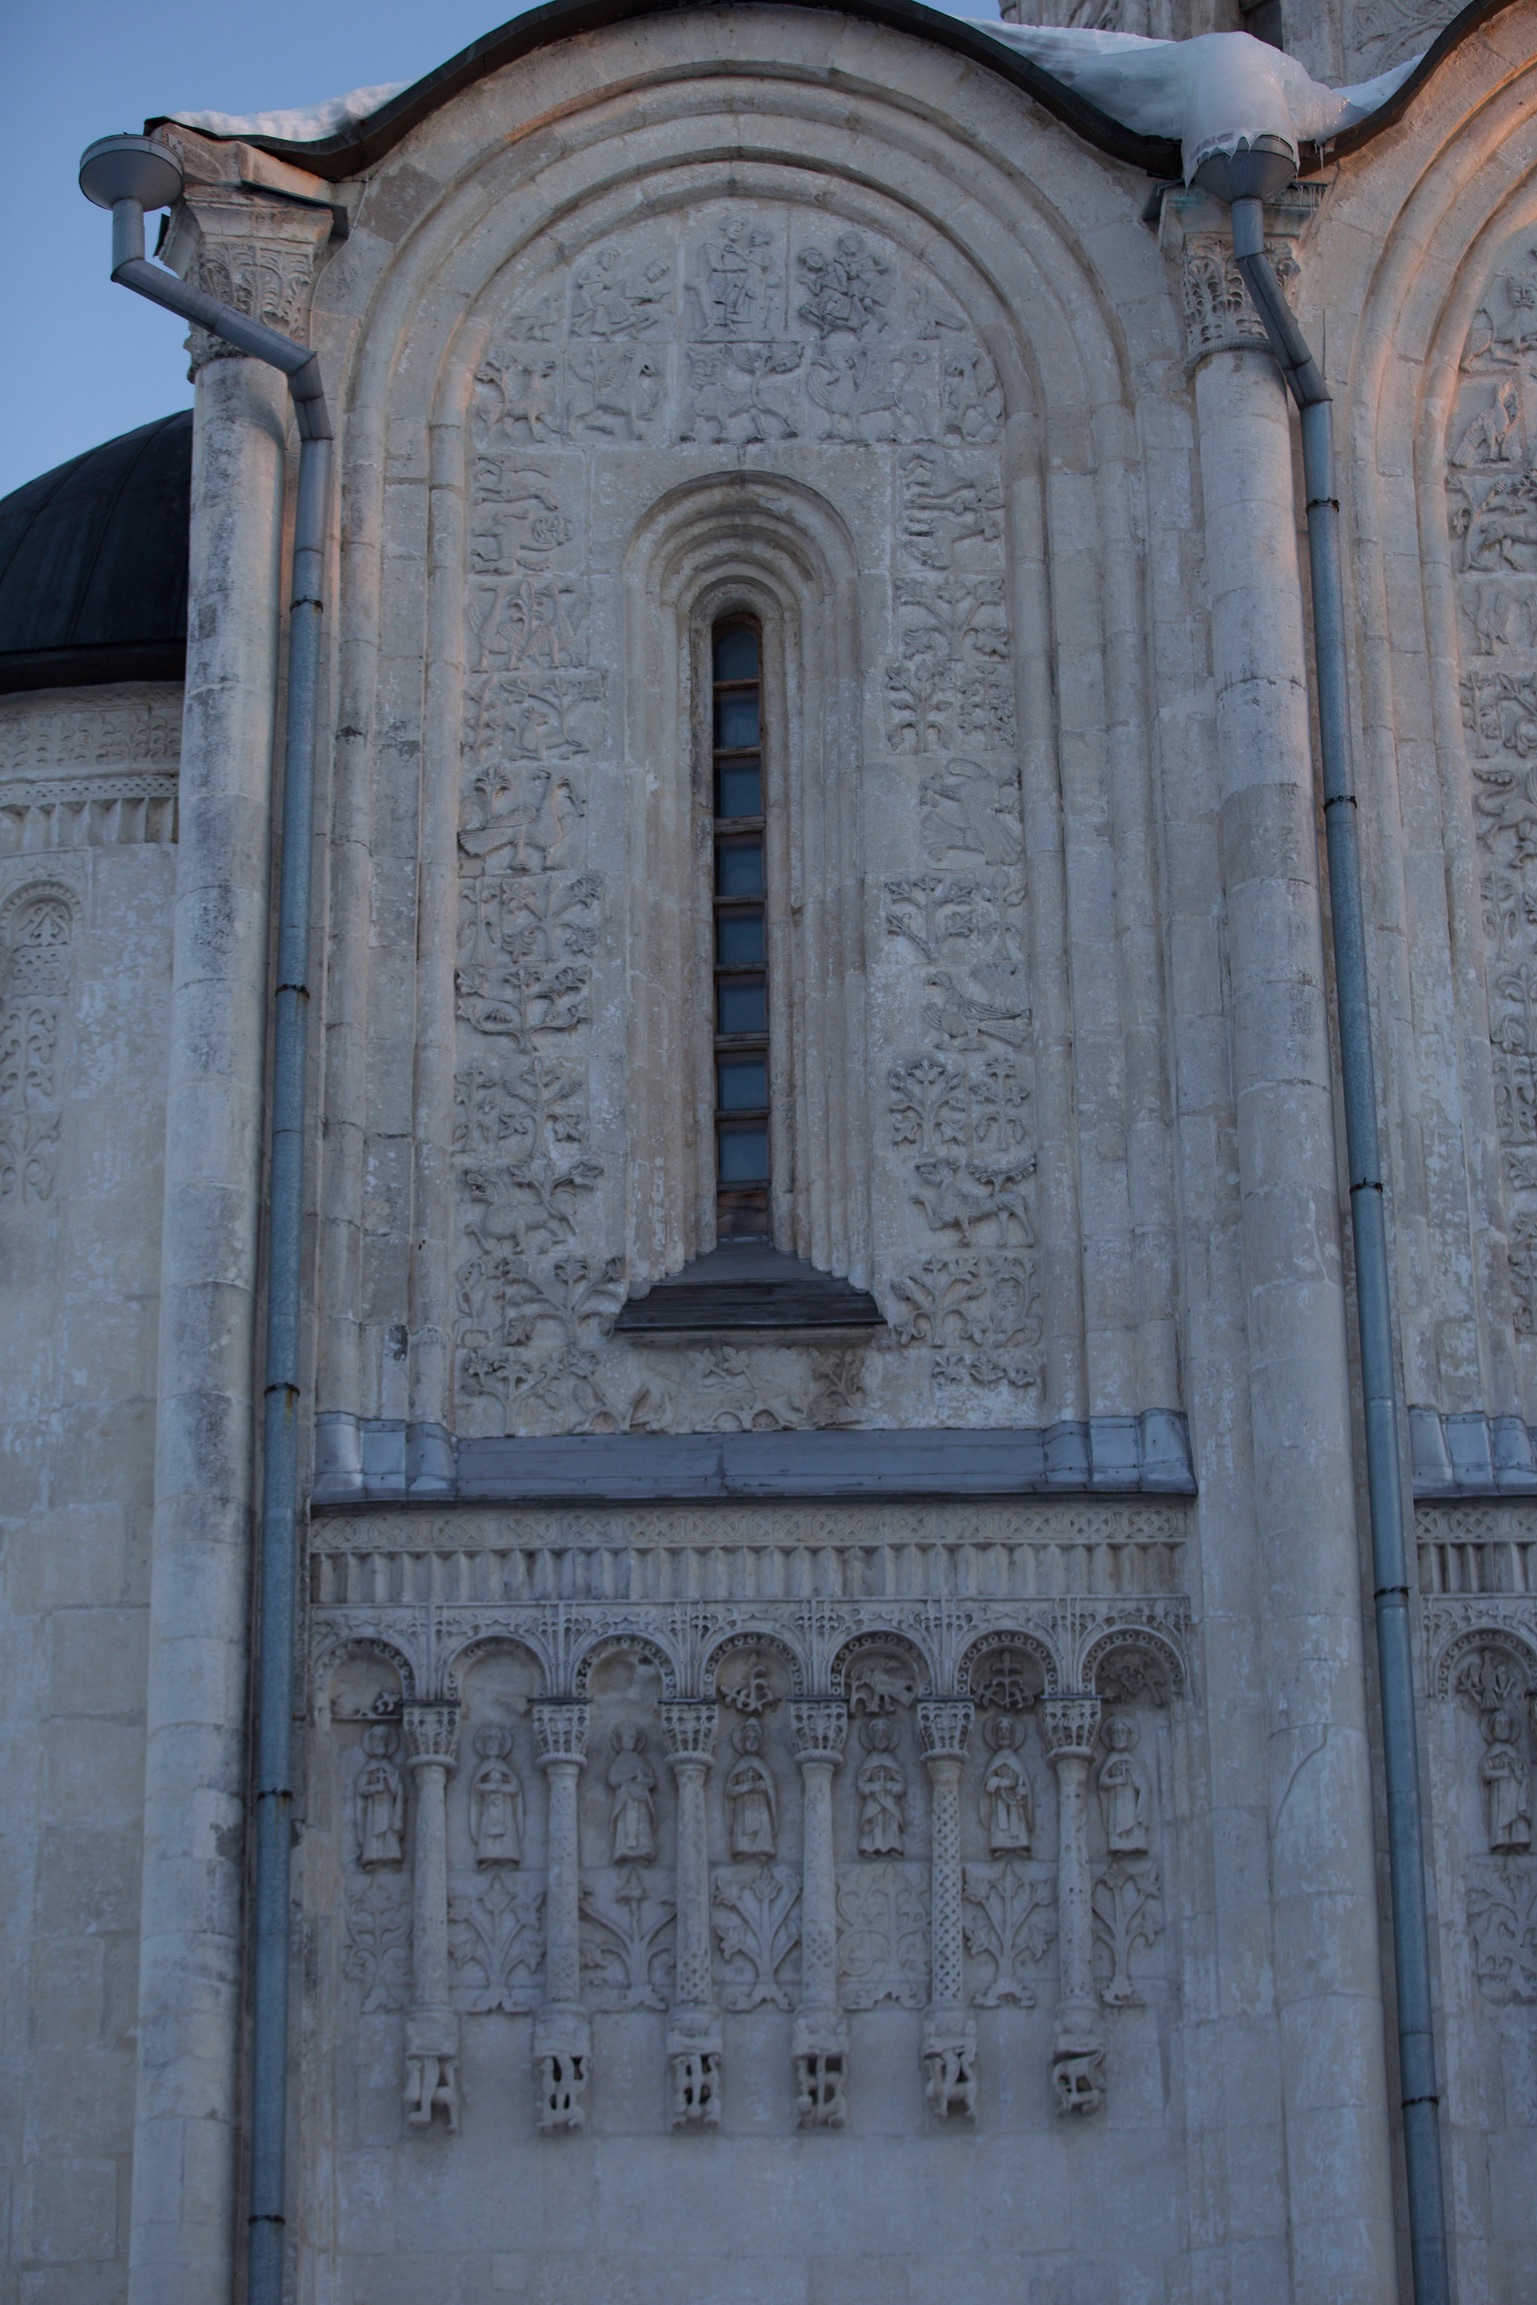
x,y
1211,94
306,124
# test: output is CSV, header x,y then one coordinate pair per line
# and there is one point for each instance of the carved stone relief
x,y
1381,33
100,772
1489,1671
1491,480
37,931
631,1847
749,325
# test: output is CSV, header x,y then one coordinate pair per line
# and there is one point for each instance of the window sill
x,y
748,1287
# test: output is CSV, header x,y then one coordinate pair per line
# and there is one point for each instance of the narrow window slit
x,y
741,948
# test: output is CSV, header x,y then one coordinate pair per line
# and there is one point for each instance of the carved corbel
x,y
819,2043
431,1729
562,2033
1078,2042
690,1727
949,2032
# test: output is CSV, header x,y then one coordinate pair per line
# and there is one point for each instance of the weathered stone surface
x,y
789,1815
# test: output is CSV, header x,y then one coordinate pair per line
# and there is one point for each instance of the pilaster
x,y
183,2218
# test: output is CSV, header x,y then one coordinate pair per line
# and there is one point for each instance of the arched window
x,y
740,936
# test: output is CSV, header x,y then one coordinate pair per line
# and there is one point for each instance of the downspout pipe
x,y
1244,180
129,174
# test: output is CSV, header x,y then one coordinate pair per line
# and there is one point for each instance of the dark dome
x,y
93,564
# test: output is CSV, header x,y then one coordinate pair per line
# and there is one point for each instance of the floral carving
x,y
376,1919
495,1941
756,1917
1011,1924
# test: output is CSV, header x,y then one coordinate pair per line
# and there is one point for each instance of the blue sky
x,y
84,360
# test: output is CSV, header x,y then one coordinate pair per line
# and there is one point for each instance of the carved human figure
x,y
632,1813
1507,1783
750,1798
380,1798
882,1789
1008,1810
496,1801
1122,1795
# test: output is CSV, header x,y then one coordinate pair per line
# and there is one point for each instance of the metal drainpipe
x,y
129,174
1245,181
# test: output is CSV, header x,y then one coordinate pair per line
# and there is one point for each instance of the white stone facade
x,y
795,1819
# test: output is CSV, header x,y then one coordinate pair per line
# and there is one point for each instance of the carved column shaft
x,y
562,2036
820,2040
432,2029
949,2034
693,2034
1078,2040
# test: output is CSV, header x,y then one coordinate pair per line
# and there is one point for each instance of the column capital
x,y
944,1725
251,250
431,1728
1194,229
560,1731
1071,1724
819,1728
690,1726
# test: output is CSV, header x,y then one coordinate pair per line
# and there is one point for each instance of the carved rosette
x,y
257,255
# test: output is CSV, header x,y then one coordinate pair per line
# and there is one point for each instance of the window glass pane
x,y
739,788
740,1004
739,939
743,1152
736,720
736,653
741,1083
739,868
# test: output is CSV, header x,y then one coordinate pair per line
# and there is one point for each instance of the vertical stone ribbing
x,y
819,2044
562,2034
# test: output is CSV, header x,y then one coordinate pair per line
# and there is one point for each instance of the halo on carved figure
x,y
628,1644
878,1671
347,1648
735,1685
999,1669
1458,1665
1134,1664
483,1645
